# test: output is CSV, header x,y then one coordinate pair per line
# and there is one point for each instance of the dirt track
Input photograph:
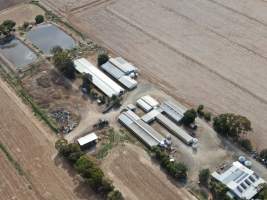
x,y
133,173
32,147
209,52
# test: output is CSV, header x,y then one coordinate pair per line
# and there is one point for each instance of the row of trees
x,y
175,169
87,167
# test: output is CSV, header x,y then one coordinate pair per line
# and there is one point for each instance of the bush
x,y
263,154
115,195
39,19
102,59
175,169
200,110
246,144
218,190
207,116
204,176
189,117
263,193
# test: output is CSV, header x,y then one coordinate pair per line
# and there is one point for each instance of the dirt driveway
x,y
138,177
45,177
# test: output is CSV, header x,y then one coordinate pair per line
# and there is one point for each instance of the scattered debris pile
x,y
63,117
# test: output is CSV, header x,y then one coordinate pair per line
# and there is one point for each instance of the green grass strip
x,y
12,160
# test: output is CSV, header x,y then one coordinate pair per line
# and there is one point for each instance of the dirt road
x,y
138,178
209,52
46,178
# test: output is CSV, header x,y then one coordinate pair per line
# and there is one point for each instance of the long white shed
x,y
99,79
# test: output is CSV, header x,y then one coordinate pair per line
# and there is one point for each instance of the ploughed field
x,y
132,171
7,3
42,176
211,52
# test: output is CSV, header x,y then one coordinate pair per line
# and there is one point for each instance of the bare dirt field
x,y
207,52
138,178
7,3
21,13
45,177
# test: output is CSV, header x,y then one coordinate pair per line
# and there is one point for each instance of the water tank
x,y
194,145
195,141
248,164
242,159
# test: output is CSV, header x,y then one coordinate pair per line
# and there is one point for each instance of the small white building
x,y
242,182
87,140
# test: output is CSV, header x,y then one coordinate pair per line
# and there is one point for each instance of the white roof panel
x,y
150,100
87,139
123,65
128,82
145,106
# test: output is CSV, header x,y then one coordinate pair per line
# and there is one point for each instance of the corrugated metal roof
x,y
142,104
112,70
99,79
150,100
149,117
175,112
176,130
87,139
128,82
123,65
145,132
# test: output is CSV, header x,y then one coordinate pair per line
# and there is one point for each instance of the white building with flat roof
x,y
242,182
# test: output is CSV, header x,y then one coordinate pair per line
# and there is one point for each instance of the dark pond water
x,y
47,36
17,53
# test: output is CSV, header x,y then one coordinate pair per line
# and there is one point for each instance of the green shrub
x,y
246,144
204,176
207,116
102,59
39,19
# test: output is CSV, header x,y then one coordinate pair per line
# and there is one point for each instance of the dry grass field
x,y
209,52
44,176
137,177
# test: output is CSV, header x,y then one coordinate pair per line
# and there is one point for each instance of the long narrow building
x,y
142,130
99,79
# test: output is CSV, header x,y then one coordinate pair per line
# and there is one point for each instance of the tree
x,y
115,195
263,154
177,170
102,59
204,176
6,27
246,144
64,63
107,186
39,19
207,116
87,82
263,193
189,117
218,190
200,110
231,125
